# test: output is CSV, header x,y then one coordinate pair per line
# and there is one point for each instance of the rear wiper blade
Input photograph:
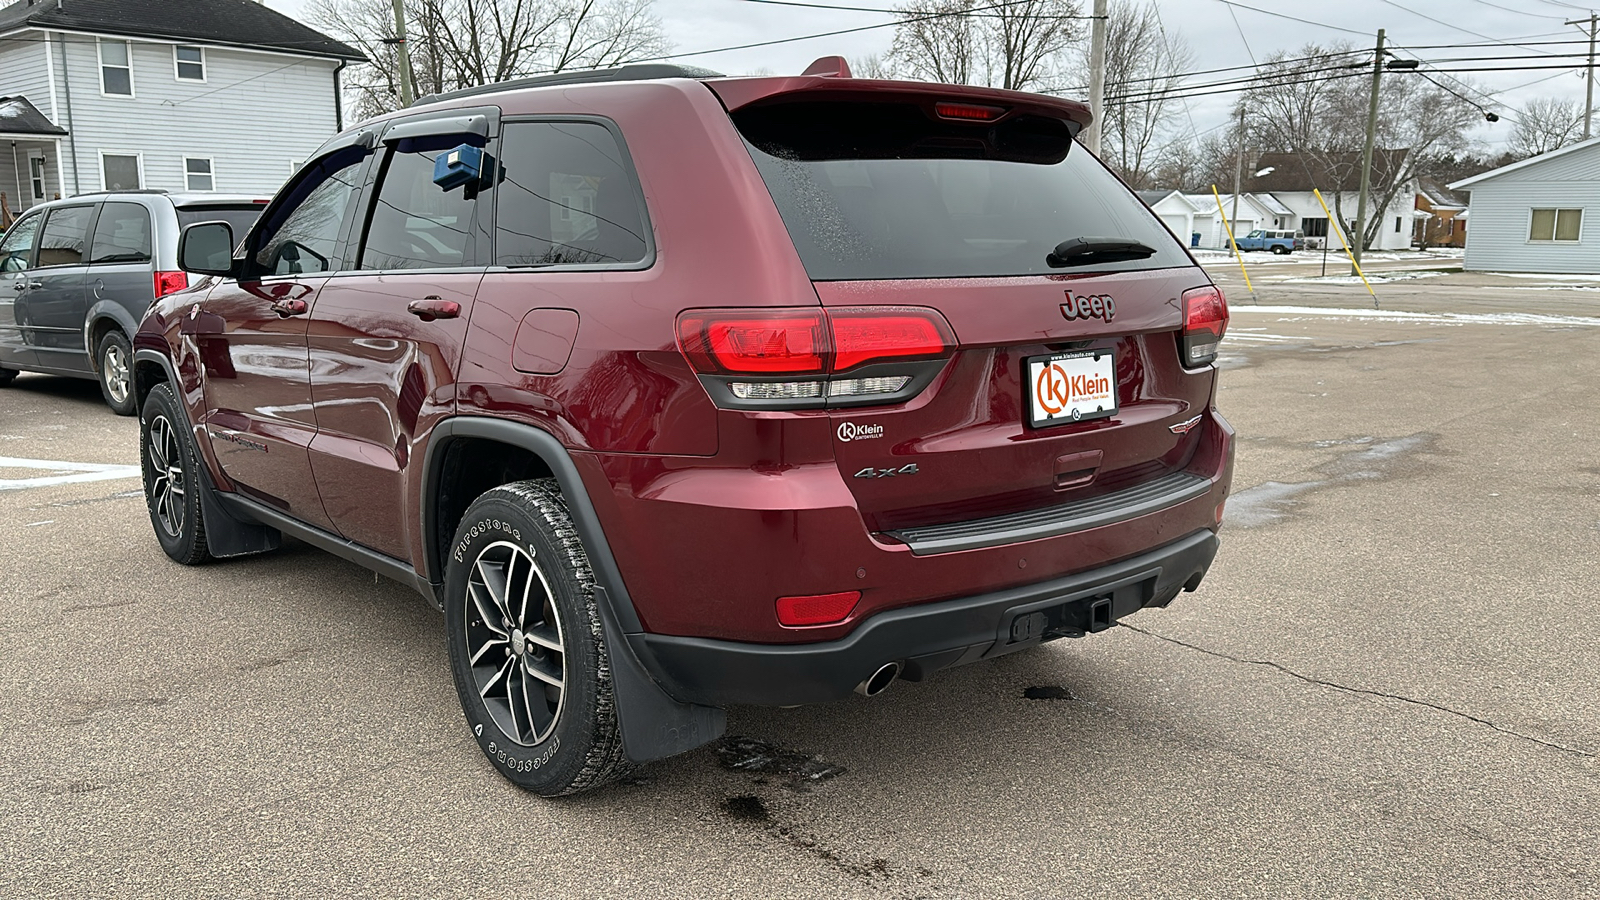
x,y
1083,250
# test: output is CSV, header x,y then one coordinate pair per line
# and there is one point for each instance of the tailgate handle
x,y
1077,469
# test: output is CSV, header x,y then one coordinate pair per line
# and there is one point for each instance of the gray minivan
x,y
77,275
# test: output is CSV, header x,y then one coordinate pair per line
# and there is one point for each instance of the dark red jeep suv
x,y
677,392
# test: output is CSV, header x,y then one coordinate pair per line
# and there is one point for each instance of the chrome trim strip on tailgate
x,y
1051,521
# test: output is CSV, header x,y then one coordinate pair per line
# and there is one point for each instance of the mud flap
x,y
654,726
226,534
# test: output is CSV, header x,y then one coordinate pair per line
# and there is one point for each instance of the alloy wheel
x,y
513,642
167,482
115,372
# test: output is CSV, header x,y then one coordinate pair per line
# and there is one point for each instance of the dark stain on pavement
x,y
743,754
746,808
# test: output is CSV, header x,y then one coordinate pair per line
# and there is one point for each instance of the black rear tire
x,y
1280,250
114,359
7,376
527,650
172,482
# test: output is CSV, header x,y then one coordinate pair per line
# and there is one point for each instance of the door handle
x,y
429,308
287,308
24,284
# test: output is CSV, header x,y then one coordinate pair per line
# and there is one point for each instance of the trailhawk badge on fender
x,y
1092,306
850,431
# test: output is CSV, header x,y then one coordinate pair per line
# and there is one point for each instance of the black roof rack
x,y
639,72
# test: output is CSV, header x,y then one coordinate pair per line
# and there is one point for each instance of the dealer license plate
x,y
1071,387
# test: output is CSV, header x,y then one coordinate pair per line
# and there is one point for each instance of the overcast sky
x,y
1208,26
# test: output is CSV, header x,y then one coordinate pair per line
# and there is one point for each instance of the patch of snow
x,y
1402,315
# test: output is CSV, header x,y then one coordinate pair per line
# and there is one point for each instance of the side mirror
x,y
206,248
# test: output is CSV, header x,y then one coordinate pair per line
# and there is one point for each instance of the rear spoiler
x,y
738,93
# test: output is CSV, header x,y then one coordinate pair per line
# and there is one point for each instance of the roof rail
x,y
640,72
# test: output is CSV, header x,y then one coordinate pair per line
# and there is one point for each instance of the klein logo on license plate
x,y
1071,387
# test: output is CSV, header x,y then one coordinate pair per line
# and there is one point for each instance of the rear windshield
x,y
240,217
879,191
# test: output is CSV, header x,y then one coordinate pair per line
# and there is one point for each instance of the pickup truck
x,y
1277,241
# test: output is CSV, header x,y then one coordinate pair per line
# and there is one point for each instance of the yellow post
x,y
1339,231
1228,226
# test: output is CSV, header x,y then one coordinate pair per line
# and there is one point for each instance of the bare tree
x,y
461,43
1546,124
1143,70
1012,44
1310,104
871,66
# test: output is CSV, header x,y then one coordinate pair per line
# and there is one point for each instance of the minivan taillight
x,y
170,283
1205,321
787,358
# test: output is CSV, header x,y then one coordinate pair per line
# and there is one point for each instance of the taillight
x,y
972,112
170,283
785,358
1205,320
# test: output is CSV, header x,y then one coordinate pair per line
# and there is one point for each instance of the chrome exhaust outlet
x,y
879,680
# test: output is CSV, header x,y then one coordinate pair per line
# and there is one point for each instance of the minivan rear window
x,y
881,191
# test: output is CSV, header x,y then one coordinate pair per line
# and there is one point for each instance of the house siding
x,y
1497,233
254,114
23,71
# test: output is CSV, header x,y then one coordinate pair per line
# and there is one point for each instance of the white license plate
x,y
1071,387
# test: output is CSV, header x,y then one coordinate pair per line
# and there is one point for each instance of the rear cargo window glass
x,y
566,197
876,191
121,235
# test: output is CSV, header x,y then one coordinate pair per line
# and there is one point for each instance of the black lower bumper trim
x,y
923,638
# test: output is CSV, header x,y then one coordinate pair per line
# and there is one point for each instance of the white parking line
x,y
63,472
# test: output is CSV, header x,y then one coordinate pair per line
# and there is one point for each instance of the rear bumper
x,y
925,638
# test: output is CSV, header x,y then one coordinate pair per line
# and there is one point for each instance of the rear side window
x,y
878,191
121,235
303,234
66,230
415,223
566,196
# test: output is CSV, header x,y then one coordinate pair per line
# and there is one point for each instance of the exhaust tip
x,y
879,680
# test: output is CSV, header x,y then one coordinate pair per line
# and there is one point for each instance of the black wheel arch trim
x,y
116,312
654,724
549,450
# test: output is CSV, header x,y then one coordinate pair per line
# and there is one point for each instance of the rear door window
x,y
884,190
66,232
121,234
415,223
240,217
567,196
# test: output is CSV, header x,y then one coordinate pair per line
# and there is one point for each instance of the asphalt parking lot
x,y
1385,688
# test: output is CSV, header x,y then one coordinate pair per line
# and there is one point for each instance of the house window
x,y
191,63
36,177
120,171
197,174
1397,224
1556,225
116,72
1314,227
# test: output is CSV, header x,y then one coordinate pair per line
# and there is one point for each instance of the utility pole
x,y
1238,172
1588,100
1097,76
1358,240
402,52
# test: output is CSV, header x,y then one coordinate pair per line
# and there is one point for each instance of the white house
x,y
1254,212
1538,215
1175,211
1291,180
222,95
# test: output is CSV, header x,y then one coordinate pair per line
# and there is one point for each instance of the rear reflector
x,y
1205,321
170,283
816,609
775,390
968,111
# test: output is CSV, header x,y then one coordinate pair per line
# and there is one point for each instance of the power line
x,y
1268,12
894,12
1447,24
1518,11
